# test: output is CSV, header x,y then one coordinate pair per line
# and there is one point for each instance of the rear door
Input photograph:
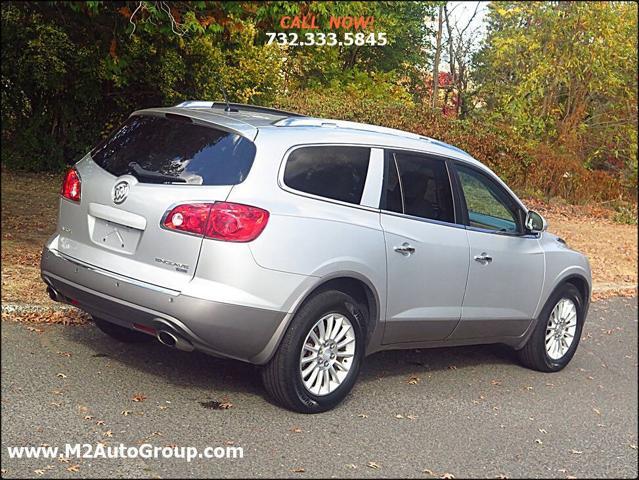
x,y
131,180
427,253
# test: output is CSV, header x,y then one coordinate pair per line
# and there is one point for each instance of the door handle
x,y
406,249
484,258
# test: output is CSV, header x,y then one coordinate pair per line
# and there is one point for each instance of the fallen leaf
x,y
39,472
298,470
399,415
596,410
108,433
373,465
362,415
73,468
452,367
413,380
125,412
538,441
37,330
448,475
575,452
138,397
65,354
213,405
61,375
296,430
100,422
496,382
633,446
429,472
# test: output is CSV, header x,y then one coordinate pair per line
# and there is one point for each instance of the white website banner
x,y
145,451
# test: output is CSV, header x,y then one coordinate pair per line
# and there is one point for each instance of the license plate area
x,y
115,236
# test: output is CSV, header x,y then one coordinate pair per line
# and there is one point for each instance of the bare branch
x,y
471,19
140,5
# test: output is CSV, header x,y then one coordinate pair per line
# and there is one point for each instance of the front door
x,y
427,253
506,264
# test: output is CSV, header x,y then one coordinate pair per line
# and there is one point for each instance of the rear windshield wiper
x,y
154,177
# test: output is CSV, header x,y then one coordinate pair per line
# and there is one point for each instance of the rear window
x,y
157,149
338,173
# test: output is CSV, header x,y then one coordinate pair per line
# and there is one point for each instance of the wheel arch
x,y
580,282
352,283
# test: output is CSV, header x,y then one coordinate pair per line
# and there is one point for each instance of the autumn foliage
x,y
548,99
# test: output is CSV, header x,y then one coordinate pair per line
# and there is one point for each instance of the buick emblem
x,y
120,192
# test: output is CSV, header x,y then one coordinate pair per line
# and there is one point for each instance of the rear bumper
x,y
222,329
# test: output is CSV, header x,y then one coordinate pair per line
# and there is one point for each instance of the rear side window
x,y
156,149
418,185
334,172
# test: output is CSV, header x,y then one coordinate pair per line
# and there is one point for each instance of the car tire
x,y
535,354
283,375
122,334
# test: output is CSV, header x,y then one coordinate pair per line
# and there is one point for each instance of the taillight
x,y
190,218
71,186
235,223
230,222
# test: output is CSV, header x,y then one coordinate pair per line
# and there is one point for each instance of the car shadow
x,y
218,375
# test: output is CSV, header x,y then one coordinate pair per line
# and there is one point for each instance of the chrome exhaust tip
x,y
54,295
174,341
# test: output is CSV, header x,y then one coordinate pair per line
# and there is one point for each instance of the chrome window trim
x,y
421,219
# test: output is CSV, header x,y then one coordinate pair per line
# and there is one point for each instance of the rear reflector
x,y
229,222
71,186
145,328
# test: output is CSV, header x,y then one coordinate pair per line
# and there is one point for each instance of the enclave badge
x,y
120,192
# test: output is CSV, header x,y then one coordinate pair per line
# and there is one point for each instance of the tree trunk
x,y
438,52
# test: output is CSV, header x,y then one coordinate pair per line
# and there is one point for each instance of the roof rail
x,y
321,122
242,107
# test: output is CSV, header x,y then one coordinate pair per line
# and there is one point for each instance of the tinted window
x,y
329,171
175,147
422,188
488,206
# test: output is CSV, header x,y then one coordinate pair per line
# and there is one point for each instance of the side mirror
x,y
535,222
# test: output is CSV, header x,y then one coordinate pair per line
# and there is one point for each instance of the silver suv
x,y
303,245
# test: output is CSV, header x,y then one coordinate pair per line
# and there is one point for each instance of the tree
x,y
566,72
438,51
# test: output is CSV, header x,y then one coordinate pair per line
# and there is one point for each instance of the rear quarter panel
x,y
310,236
